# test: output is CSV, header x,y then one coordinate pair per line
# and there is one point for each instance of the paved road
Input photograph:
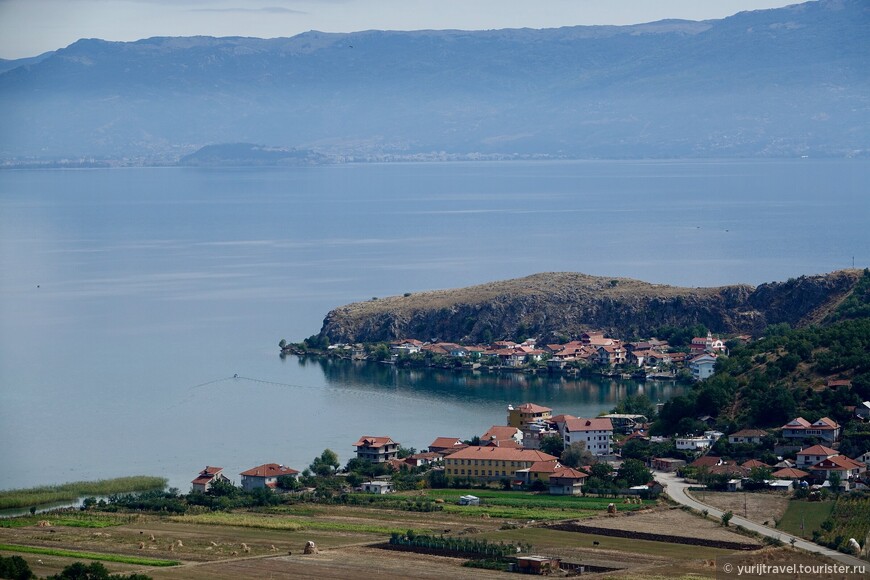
x,y
675,487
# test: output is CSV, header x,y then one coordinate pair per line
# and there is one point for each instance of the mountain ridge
x,y
774,83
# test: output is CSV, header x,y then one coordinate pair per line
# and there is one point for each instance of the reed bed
x,y
37,496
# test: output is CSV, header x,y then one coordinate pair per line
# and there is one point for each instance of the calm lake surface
x,y
130,297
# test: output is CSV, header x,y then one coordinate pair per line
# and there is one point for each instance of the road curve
x,y
675,487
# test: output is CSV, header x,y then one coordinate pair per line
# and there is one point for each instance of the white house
x,y
378,487
702,366
863,410
752,436
692,443
265,476
596,433
207,477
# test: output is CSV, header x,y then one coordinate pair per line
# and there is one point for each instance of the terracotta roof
x,y
206,475
503,443
501,454
838,462
580,424
797,423
499,432
749,433
269,470
753,463
840,383
532,408
545,466
825,423
729,470
789,473
370,441
706,461
446,442
817,450
568,473
561,418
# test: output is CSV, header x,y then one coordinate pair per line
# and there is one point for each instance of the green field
x,y
545,539
809,513
88,555
533,500
71,519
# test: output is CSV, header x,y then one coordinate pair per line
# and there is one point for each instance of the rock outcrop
x,y
552,304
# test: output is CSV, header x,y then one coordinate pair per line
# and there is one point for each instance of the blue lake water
x,y
128,297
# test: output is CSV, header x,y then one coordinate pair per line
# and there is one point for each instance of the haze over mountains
x,y
776,83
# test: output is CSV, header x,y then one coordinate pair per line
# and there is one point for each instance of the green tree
x,y
289,482
726,517
223,488
553,445
326,464
282,344
404,452
835,480
634,472
15,568
576,455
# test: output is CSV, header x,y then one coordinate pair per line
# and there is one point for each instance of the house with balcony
x,y
376,449
825,429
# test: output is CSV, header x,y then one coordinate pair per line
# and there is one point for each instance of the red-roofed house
x,y
538,471
421,459
812,455
847,468
706,461
566,481
207,477
789,473
825,429
610,355
376,449
754,463
446,445
265,476
753,436
499,433
596,433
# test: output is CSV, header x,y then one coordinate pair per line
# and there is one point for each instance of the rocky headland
x,y
553,305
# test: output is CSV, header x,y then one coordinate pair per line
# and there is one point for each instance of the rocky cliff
x,y
552,304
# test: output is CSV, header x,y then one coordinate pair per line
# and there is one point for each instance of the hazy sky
x,y
30,27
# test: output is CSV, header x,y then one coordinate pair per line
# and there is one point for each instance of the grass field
x,y
806,514
549,541
72,520
89,555
36,496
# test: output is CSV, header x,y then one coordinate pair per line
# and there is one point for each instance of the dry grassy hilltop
x,y
551,304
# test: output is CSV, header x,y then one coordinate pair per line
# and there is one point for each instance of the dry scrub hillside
x,y
551,304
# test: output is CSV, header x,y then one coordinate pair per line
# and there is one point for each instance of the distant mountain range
x,y
787,82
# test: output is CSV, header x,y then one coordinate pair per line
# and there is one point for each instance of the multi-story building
x,y
376,449
491,463
526,414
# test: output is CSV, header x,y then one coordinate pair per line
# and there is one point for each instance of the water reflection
x,y
584,396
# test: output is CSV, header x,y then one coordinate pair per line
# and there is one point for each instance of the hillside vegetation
x,y
785,374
